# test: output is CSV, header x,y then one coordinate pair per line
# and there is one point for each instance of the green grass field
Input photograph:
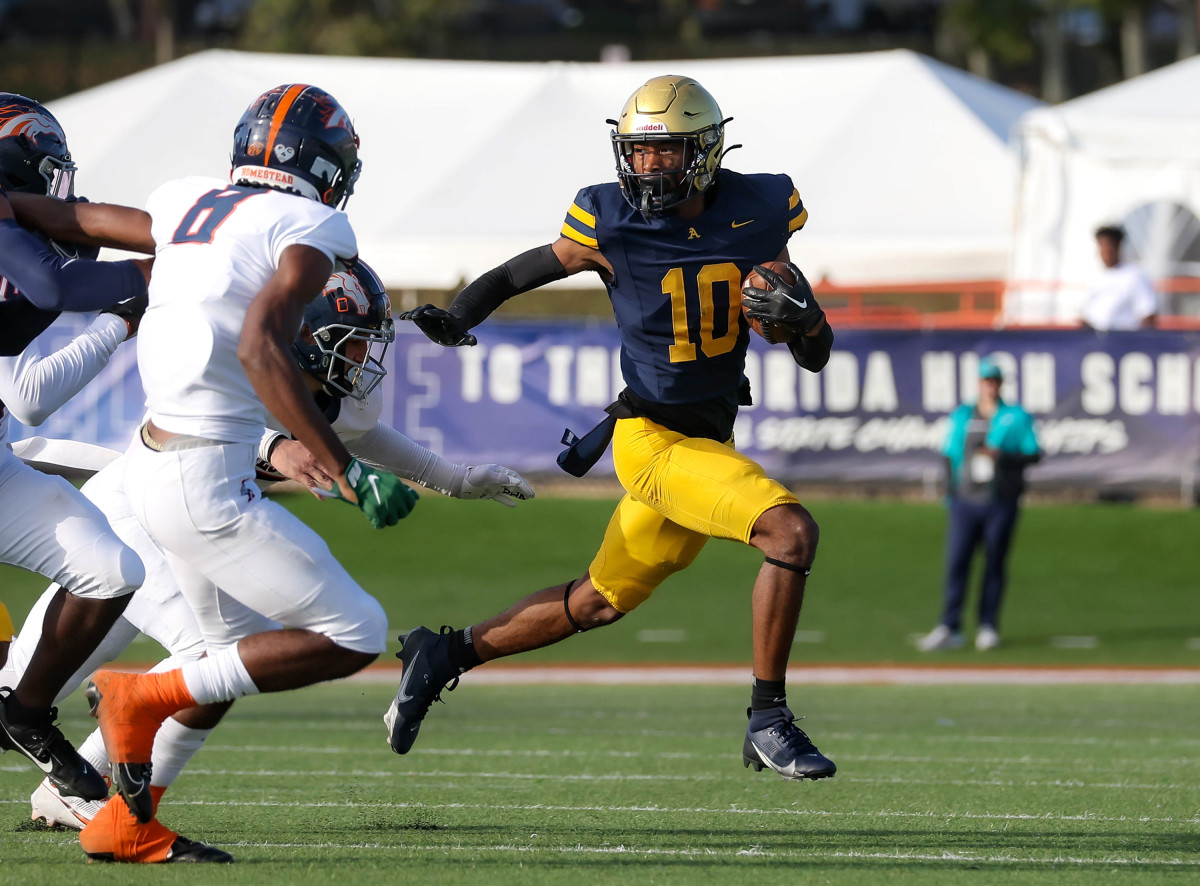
x,y
604,785
1124,577
531,785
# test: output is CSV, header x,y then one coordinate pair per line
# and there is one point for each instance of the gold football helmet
x,y
669,108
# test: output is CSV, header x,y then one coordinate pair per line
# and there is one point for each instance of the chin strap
x,y
791,567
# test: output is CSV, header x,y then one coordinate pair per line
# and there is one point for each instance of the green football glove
x,y
381,496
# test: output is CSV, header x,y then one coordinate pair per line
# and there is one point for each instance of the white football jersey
x,y
216,246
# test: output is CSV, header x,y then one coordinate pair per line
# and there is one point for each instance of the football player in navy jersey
x,y
47,526
672,239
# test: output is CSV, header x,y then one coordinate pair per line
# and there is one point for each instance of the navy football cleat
x,y
427,670
782,745
44,744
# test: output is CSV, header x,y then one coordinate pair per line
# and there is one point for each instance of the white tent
x,y
902,161
1128,154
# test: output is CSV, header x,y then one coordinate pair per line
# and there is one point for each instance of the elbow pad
x,y
529,270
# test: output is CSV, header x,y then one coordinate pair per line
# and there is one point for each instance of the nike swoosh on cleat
x,y
402,691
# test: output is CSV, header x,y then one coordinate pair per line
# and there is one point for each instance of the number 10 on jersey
x,y
713,300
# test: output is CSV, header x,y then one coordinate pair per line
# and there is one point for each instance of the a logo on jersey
x,y
27,123
693,234
349,294
738,224
284,153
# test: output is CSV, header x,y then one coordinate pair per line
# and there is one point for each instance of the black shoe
x,y
44,744
182,849
783,746
427,669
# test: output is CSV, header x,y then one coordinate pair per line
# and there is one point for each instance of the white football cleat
x,y
62,810
941,638
986,638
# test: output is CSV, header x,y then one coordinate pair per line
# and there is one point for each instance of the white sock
x,y
219,677
174,745
94,752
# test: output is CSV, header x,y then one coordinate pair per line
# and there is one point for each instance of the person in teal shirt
x,y
989,444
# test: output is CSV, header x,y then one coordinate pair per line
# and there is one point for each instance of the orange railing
x,y
961,304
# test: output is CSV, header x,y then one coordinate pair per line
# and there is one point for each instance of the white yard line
x,y
752,851
736,675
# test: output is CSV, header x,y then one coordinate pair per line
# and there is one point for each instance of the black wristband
x,y
529,270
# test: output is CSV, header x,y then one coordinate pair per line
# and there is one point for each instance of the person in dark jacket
x,y
989,444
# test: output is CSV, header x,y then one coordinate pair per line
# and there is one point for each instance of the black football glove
x,y
130,310
439,325
791,305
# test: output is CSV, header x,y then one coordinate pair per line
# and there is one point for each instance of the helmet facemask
x,y
654,192
59,174
341,374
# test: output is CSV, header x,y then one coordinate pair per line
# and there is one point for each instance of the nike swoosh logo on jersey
x,y
402,692
740,224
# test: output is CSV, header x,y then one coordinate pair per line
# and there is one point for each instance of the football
x,y
771,332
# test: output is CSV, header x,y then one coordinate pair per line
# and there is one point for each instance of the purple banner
x,y
1114,409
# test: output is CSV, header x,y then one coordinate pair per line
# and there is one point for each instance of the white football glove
x,y
497,483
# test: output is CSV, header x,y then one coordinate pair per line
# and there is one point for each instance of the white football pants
x,y
244,563
157,609
48,527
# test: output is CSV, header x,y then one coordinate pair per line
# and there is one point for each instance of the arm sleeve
x,y
385,447
529,270
811,352
52,283
33,387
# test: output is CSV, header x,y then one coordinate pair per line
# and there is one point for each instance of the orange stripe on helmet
x,y
281,110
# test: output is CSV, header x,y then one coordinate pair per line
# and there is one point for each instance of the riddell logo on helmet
x,y
650,127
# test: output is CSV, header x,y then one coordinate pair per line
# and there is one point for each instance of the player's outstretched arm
x,y
89,224
33,386
385,447
51,282
451,327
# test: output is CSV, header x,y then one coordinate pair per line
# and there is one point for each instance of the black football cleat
x,y
193,852
426,672
44,744
182,850
782,746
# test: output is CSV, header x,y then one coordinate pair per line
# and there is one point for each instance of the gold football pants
x,y
680,492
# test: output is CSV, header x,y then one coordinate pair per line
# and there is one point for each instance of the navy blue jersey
x,y
676,286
